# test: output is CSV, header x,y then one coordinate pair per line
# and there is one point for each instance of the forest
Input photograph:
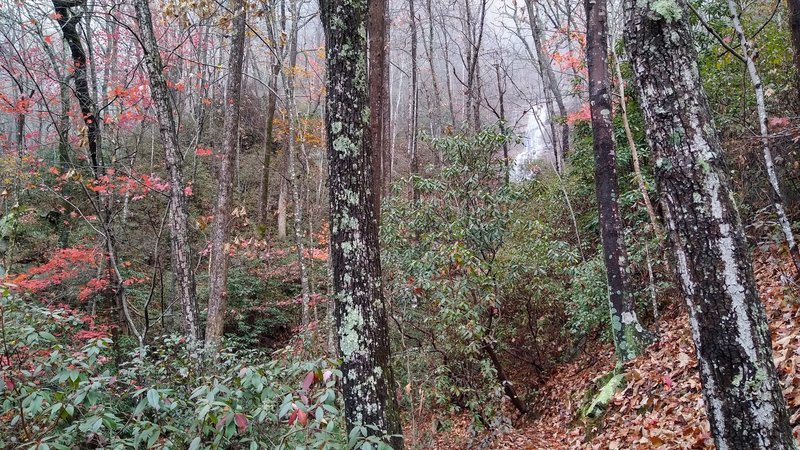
x,y
399,224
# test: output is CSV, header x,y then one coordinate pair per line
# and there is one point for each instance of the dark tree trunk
x,y
794,26
379,99
729,326
630,339
218,281
68,21
178,215
359,306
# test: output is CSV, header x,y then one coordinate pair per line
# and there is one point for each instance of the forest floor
x,y
661,405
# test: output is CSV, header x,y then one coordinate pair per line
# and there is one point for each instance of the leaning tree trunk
x,y
217,289
68,21
758,87
630,338
729,325
178,215
359,305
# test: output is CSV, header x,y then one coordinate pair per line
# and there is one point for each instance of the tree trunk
x,y
630,338
413,104
379,99
282,194
68,23
794,26
218,289
729,326
761,107
269,144
288,81
361,321
637,169
178,215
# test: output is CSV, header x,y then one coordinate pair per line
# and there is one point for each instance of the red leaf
x,y
308,381
302,417
667,381
293,417
241,421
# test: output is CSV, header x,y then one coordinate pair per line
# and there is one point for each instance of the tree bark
x,y
741,389
794,27
178,215
218,289
361,320
630,338
288,79
68,21
379,100
413,104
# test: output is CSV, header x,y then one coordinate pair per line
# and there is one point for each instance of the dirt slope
x,y
661,406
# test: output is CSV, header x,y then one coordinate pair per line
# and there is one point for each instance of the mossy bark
x,y
360,312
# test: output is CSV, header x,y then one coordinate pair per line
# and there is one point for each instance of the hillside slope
x,y
661,405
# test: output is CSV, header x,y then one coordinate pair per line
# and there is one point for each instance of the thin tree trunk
x,y
794,27
637,169
217,289
368,386
288,80
282,200
758,87
630,338
413,104
501,91
178,209
741,389
272,96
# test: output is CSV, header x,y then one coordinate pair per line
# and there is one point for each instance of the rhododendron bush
x,y
63,387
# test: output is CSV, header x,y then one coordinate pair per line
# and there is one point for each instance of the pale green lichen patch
x,y
668,9
352,324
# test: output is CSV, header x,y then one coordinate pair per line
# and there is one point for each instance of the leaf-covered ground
x,y
661,405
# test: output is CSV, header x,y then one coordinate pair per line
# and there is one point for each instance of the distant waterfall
x,y
537,141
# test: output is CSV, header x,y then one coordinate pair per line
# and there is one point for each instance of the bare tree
x,y
217,289
178,216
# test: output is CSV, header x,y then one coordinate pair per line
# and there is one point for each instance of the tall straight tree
x,y
729,326
630,338
178,216
794,27
218,281
379,98
360,311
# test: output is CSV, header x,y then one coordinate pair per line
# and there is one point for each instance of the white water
x,y
537,142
